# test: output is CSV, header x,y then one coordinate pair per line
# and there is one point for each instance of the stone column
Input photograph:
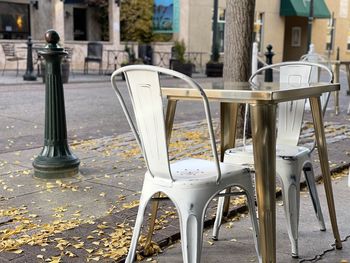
x,y
58,18
114,23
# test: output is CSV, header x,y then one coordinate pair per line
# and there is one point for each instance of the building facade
x,y
76,21
281,23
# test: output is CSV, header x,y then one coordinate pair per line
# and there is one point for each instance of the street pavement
x,y
89,217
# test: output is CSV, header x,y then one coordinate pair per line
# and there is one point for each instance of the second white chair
x,y
291,159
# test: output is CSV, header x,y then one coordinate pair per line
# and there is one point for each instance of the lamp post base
x,y
29,76
56,167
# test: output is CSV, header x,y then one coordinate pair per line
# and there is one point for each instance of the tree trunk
x,y
238,45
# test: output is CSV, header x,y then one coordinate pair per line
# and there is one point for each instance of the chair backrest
x,y
95,49
143,83
69,50
9,50
290,114
314,57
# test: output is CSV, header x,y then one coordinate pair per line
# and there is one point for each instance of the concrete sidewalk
x,y
90,217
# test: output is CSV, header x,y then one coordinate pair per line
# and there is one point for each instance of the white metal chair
x,y
189,183
291,158
11,55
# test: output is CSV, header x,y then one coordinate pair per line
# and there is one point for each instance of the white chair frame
x,y
291,159
189,183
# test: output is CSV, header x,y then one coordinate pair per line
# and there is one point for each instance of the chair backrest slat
x,y
145,92
290,113
9,50
148,109
95,49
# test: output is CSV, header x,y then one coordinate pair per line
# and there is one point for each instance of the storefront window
x,y
14,21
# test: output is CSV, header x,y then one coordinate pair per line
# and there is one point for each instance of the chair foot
x,y
311,184
295,252
291,203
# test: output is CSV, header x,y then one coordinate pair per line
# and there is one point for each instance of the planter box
x,y
214,69
184,68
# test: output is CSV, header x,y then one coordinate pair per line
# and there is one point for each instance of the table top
x,y
243,92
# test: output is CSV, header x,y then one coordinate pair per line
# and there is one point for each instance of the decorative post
x,y
214,44
338,54
29,75
55,159
310,19
269,54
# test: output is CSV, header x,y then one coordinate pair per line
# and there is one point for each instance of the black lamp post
x,y
29,75
55,160
310,20
214,47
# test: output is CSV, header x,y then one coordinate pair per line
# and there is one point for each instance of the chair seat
x,y
199,171
93,59
244,155
15,58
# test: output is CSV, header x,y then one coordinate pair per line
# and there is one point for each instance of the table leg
x,y
169,121
228,124
348,77
264,147
323,155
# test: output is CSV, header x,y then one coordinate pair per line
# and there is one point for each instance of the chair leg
x,y
71,69
136,232
311,184
17,69
218,218
4,68
85,68
191,232
291,202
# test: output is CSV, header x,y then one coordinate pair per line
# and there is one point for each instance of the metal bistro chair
x,y
69,57
189,183
291,158
94,54
10,55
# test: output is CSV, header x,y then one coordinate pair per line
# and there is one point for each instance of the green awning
x,y
302,8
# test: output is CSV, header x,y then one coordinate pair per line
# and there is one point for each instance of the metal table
x,y
263,102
